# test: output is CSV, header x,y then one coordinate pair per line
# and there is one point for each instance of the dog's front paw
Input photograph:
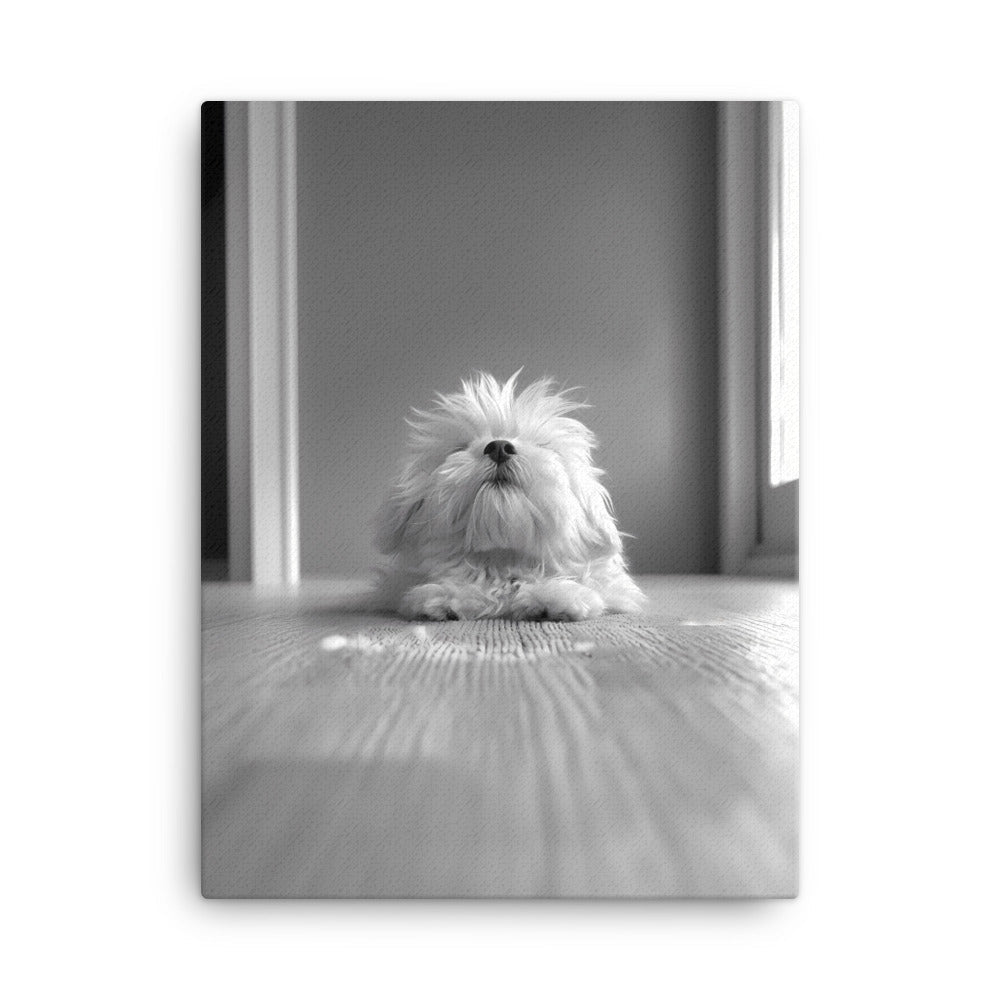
x,y
557,600
429,600
443,602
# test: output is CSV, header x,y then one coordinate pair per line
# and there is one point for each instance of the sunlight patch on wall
x,y
784,249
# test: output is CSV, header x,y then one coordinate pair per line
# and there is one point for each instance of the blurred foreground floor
x,y
347,754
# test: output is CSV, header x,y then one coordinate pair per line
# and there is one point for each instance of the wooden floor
x,y
347,754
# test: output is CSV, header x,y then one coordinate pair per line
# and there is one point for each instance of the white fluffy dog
x,y
499,513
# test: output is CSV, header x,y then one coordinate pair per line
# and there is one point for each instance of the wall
x,y
576,240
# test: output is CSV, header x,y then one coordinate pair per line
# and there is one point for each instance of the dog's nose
x,y
500,451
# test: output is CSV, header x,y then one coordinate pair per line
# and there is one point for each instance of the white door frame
x,y
748,274
262,342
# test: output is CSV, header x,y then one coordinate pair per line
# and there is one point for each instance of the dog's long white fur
x,y
535,539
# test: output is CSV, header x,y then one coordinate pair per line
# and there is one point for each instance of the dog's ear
x,y
392,522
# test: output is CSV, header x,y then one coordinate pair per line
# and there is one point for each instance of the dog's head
x,y
494,471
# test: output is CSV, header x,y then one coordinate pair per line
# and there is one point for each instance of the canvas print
x,y
500,478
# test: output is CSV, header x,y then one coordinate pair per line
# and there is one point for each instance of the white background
x,y
899,552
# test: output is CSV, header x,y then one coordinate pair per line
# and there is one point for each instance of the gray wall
x,y
576,240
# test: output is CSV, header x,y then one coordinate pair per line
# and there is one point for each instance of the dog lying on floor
x,y
500,513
